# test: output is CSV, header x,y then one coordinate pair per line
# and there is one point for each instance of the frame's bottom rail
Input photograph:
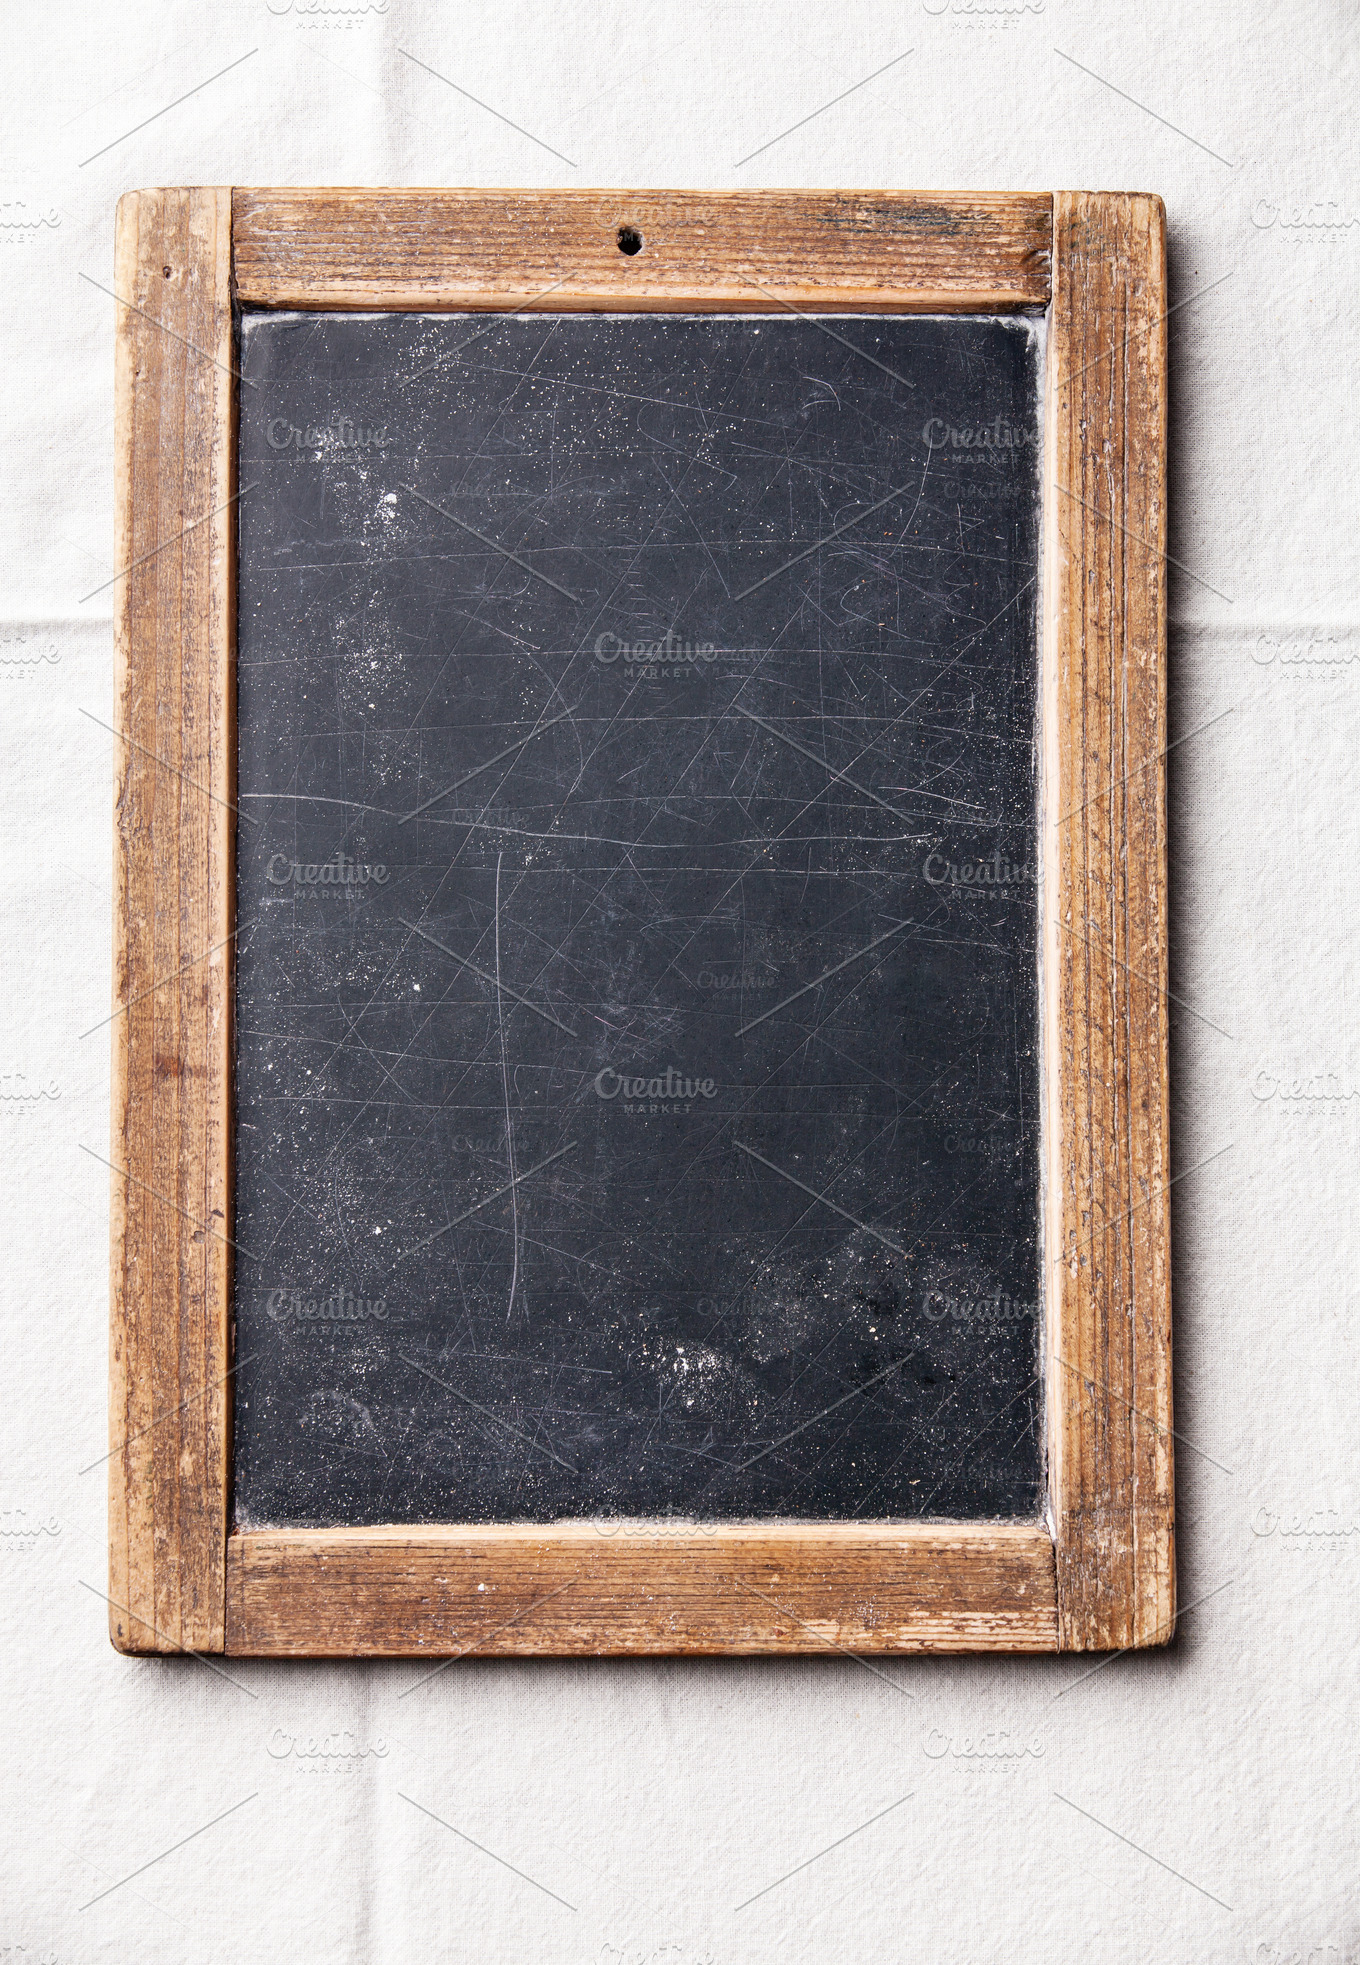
x,y
638,1587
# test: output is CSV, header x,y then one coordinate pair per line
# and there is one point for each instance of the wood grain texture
x,y
900,250
576,1588
1105,945
171,1099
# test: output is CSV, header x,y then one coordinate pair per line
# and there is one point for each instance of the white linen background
x,y
657,1796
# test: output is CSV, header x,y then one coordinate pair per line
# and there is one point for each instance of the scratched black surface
x,y
479,1279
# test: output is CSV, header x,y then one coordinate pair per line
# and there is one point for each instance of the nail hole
x,y
166,271
630,239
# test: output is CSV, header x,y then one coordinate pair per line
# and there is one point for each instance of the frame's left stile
x,y
174,633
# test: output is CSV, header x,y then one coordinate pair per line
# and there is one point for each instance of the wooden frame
x,y
1098,1571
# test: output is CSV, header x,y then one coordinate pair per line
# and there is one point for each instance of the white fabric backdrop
x,y
1217,1779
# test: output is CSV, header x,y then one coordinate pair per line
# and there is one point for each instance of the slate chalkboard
x,y
636,1018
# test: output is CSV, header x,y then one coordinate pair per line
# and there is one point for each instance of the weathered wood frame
x,y
1097,1572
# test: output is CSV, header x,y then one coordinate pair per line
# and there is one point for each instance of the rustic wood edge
x,y
640,1589
1104,950
173,905
757,251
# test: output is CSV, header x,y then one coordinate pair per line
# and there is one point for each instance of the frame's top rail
x,y
746,251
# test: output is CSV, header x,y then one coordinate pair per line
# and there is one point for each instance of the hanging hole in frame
x,y
630,239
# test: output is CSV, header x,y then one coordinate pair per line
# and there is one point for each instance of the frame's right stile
x,y
1107,1260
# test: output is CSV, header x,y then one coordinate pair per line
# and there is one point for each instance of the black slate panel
x,y
650,1124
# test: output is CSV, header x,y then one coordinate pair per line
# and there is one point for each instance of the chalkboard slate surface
x,y
637,1094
